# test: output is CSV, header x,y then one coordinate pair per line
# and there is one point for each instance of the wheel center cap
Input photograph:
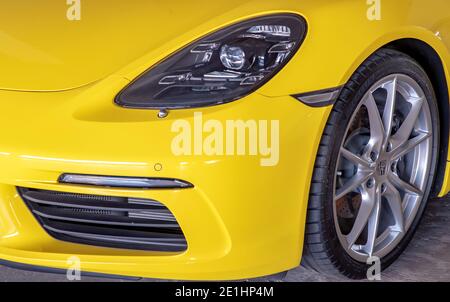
x,y
381,167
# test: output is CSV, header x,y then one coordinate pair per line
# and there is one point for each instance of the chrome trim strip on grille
x,y
85,220
162,241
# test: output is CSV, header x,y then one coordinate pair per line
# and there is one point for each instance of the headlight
x,y
220,67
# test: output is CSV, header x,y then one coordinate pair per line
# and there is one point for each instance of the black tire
x,y
322,249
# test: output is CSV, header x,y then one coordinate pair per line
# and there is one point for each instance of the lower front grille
x,y
119,222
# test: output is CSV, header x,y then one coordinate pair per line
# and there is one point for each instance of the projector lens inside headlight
x,y
220,67
232,57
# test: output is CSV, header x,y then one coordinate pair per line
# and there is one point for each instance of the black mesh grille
x,y
119,222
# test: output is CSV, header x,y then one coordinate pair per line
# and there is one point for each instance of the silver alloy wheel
x,y
382,168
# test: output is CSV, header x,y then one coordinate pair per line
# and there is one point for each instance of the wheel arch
x,y
431,62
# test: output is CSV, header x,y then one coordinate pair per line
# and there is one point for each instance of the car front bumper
x,y
240,219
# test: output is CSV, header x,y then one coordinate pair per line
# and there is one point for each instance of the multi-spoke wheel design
x,y
382,168
375,167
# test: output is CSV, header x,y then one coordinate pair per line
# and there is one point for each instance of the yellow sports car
x,y
212,140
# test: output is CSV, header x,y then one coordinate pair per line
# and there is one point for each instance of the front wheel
x,y
375,167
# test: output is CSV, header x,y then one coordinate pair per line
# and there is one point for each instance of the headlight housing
x,y
220,67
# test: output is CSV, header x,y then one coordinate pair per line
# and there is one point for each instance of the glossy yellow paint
x,y
241,220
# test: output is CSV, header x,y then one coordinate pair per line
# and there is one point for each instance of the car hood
x,y
42,50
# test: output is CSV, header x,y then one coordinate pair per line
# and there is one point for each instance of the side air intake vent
x,y
119,222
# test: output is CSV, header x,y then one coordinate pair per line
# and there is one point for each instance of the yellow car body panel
x,y
57,86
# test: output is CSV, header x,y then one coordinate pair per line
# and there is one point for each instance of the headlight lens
x,y
220,67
